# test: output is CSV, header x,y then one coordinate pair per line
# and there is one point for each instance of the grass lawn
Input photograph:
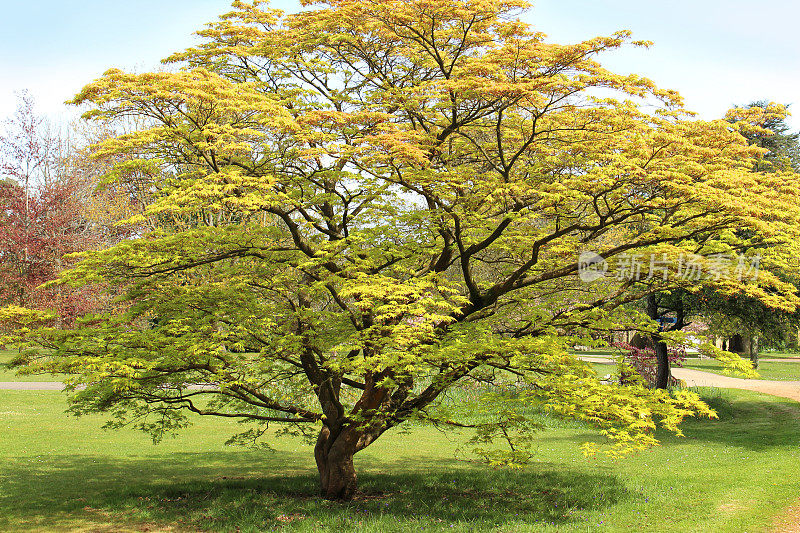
x,y
780,355
10,374
601,352
766,369
60,473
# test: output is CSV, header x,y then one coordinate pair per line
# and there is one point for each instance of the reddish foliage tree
x,y
37,229
42,215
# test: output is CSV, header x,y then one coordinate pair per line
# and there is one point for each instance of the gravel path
x,y
698,378
57,385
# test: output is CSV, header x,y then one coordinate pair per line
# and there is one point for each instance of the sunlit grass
x,y
8,373
768,370
61,473
780,355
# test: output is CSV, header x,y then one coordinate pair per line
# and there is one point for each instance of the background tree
x,y
749,318
50,207
769,131
360,206
783,153
763,124
724,315
41,213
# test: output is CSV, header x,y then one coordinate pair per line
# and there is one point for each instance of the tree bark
x,y
334,456
660,347
754,351
662,362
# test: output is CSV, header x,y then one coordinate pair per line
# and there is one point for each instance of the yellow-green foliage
x,y
360,205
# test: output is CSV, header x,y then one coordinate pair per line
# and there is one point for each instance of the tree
x,y
768,130
750,318
358,207
763,124
42,215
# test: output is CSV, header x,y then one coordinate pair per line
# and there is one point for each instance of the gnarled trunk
x,y
334,456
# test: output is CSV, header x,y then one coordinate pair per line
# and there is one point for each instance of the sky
x,y
716,53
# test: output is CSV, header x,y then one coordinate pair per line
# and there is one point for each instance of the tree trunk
x,y
334,456
660,347
662,362
754,351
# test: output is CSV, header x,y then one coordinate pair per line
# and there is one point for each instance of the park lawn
x,y
7,373
60,473
600,352
769,370
780,355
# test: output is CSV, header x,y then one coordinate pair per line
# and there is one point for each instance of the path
x,y
57,385
692,378
789,520
698,378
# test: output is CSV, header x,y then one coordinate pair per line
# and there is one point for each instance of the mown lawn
x,y
781,355
7,373
769,370
60,473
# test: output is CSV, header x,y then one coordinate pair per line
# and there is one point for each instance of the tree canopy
x,y
354,208
769,130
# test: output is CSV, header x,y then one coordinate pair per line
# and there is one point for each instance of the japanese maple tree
x,y
357,207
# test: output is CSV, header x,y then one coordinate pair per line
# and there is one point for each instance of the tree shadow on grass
x,y
251,492
747,421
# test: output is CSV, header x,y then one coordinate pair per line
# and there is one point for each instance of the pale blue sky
x,y
715,52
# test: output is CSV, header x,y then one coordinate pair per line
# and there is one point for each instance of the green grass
x,y
602,352
781,355
766,369
7,373
61,473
